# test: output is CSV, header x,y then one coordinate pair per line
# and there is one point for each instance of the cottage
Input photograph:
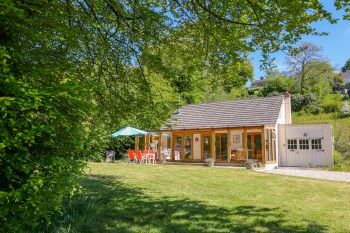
x,y
236,131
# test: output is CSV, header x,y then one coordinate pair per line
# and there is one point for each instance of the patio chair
x,y
151,156
141,157
131,155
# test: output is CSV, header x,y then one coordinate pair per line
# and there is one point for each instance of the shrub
x,y
300,102
332,103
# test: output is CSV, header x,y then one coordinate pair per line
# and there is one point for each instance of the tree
x,y
277,83
346,66
299,60
319,78
73,71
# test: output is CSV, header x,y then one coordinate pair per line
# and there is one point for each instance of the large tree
x,y
74,70
299,60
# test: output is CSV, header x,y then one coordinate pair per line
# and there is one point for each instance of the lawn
x,y
139,198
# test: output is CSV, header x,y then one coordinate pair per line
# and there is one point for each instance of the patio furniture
x,y
131,155
139,156
151,156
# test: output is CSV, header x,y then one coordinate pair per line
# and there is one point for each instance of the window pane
x,y
178,147
316,144
217,146
303,144
188,143
224,146
292,144
206,147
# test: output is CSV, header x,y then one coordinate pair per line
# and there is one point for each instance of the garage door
x,y
304,152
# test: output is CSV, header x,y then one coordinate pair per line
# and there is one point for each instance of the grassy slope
x,y
339,125
140,198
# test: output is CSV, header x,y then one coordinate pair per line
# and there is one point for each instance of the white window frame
x,y
316,145
292,146
304,146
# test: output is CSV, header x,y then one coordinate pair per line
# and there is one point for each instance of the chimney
x,y
287,108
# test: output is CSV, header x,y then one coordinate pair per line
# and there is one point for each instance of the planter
x,y
210,162
249,164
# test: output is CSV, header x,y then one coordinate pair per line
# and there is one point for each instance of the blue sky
x,y
335,46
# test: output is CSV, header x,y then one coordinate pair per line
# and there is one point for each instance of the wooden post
x,y
136,142
145,142
229,145
213,154
245,145
263,145
269,137
172,146
159,145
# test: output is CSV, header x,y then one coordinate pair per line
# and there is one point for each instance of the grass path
x,y
136,198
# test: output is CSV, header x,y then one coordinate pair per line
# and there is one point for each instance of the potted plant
x,y
249,164
210,161
162,160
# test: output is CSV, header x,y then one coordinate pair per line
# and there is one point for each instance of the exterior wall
x,y
197,152
237,139
305,157
285,114
346,80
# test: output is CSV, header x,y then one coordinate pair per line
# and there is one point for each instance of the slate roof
x,y
235,113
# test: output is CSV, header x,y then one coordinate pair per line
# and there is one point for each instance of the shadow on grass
x,y
107,205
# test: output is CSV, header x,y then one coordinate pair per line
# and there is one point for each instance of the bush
x,y
300,102
332,103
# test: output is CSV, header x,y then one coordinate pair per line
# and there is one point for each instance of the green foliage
x,y
277,84
332,103
300,102
346,66
41,135
121,144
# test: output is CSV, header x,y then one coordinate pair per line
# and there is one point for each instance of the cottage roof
x,y
235,113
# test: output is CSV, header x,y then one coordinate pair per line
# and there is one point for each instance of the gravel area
x,y
310,173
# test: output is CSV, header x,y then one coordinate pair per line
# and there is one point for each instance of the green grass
x,y
141,198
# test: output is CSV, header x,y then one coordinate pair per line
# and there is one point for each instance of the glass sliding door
x,y
257,147
249,146
221,146
178,148
206,146
254,146
224,146
188,147
217,147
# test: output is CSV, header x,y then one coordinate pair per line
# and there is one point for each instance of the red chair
x,y
131,155
139,156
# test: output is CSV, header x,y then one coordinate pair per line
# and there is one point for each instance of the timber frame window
x,y
316,144
303,144
292,144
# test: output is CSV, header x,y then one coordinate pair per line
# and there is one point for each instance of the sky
x,y
335,46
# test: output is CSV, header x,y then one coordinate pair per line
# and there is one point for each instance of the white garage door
x,y
304,152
